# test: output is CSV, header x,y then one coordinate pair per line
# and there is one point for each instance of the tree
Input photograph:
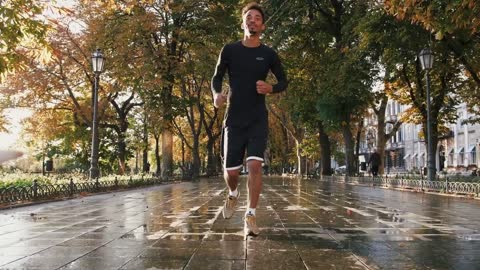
x,y
21,27
404,80
455,25
22,33
323,31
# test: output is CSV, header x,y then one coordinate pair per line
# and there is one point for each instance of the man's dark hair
x,y
256,6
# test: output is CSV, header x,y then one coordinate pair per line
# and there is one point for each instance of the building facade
x,y
405,152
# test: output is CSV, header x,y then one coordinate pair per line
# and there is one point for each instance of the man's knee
x,y
231,174
255,167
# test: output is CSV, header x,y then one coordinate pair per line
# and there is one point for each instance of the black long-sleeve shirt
x,y
245,67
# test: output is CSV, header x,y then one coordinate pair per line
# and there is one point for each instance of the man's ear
x,y
263,27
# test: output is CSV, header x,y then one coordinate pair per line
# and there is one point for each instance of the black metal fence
x,y
37,192
441,186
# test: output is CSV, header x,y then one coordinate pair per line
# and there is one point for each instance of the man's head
x,y
253,19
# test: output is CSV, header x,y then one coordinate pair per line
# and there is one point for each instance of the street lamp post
x,y
426,60
97,63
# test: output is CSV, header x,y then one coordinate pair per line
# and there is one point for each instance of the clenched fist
x,y
264,88
219,99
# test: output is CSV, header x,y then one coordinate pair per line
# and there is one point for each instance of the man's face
x,y
253,22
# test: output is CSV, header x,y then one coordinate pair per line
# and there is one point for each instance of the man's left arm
x,y
277,70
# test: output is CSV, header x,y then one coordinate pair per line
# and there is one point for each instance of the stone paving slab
x,y
305,224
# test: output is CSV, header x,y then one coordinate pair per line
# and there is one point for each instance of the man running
x,y
246,120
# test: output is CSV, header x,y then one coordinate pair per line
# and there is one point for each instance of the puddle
x,y
295,208
363,213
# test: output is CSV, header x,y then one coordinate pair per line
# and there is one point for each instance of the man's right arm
x,y
220,70
217,80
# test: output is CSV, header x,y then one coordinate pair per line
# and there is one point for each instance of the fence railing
x,y
47,191
440,186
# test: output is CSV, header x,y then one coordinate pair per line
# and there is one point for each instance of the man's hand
x,y
264,88
9,154
219,99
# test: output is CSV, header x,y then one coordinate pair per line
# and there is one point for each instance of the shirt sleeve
x,y
220,70
277,70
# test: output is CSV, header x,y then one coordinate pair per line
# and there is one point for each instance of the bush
x,y
21,179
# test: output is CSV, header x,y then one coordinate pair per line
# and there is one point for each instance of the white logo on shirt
x,y
259,58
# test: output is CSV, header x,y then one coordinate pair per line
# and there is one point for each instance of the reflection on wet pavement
x,y
305,224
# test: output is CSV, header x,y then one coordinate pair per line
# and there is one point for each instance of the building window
x,y
450,158
472,155
461,157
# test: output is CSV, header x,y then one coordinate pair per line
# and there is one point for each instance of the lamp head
x,y
98,61
426,58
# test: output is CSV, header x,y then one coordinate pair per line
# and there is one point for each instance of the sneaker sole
x,y
247,234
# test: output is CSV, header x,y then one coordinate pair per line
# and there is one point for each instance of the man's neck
x,y
251,41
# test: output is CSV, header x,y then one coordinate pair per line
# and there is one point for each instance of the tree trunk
x,y
381,138
357,145
211,168
136,161
299,159
146,165
196,159
325,152
349,145
183,166
167,154
157,154
122,152
434,156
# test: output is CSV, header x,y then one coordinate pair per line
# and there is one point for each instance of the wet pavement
x,y
307,224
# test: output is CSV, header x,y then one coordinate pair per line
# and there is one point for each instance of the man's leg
x,y
233,152
231,201
257,143
231,179
254,188
254,183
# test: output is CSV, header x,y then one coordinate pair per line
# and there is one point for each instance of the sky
x,y
15,117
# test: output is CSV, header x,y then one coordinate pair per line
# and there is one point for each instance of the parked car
x,y
341,169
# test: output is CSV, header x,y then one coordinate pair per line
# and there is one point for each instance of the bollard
x,y
116,182
130,181
72,187
446,185
35,188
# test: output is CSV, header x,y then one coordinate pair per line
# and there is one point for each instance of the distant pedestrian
x,y
374,162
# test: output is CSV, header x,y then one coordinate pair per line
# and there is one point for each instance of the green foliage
x,y
21,180
20,25
162,54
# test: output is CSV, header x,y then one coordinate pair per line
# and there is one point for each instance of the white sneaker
x,y
251,225
229,206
